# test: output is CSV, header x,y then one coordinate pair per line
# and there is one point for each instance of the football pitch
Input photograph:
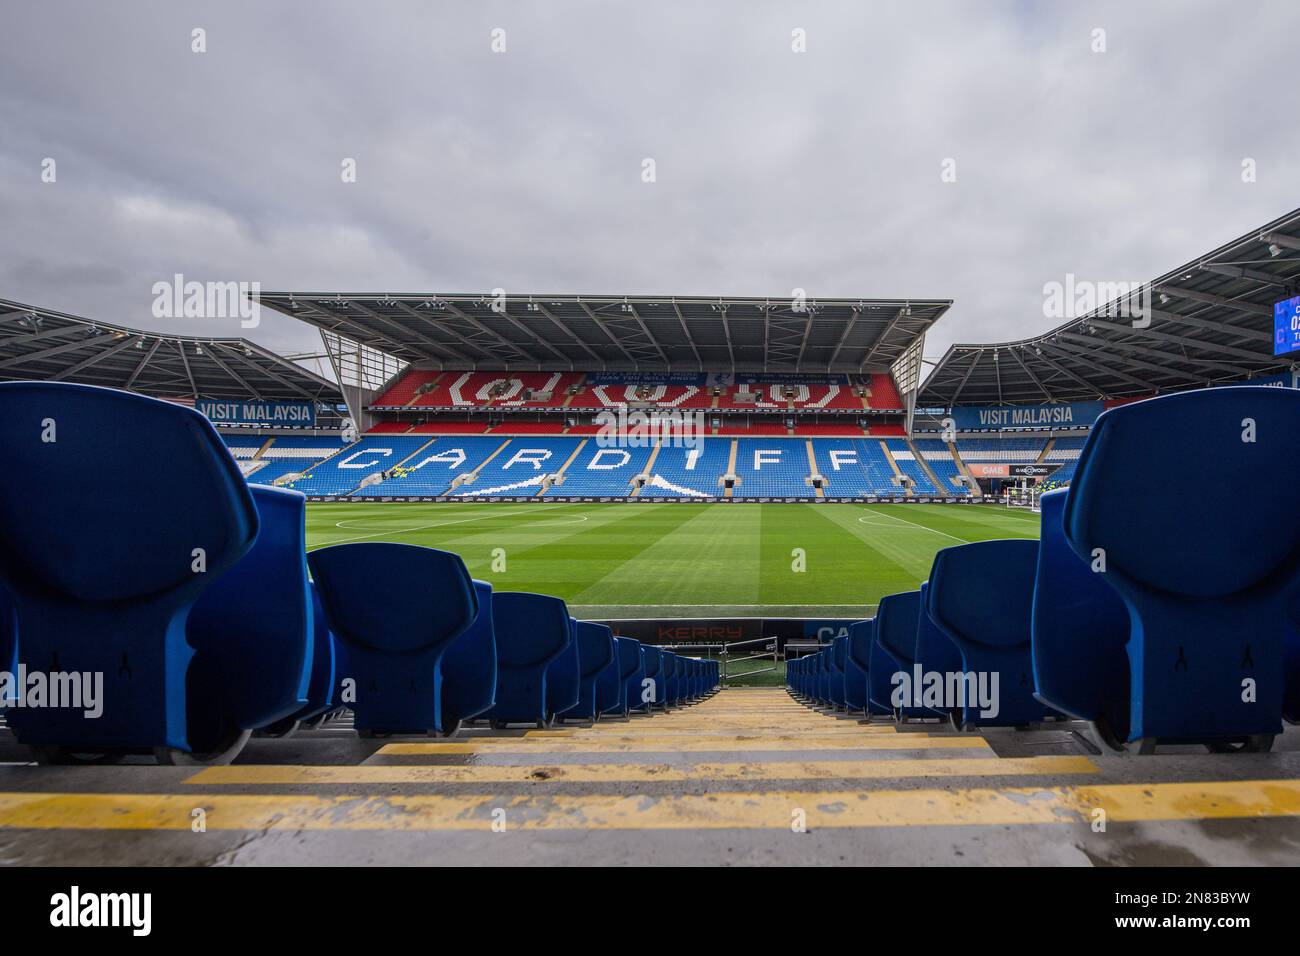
x,y
619,560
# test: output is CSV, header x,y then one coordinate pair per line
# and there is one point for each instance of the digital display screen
x,y
1286,326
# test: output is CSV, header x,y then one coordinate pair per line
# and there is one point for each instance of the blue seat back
x,y
1207,598
532,631
897,623
1080,630
981,596
103,582
397,608
934,651
595,644
857,647
652,663
469,666
838,658
253,630
629,664
564,676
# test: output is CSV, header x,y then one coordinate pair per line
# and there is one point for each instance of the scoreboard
x,y
1286,326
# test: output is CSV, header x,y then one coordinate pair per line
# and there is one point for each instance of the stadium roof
x,y
621,333
1211,321
51,346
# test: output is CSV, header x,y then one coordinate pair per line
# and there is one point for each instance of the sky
x,y
968,150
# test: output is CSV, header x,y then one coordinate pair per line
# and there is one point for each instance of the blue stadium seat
x,y
897,625
532,632
103,583
629,665
823,683
1207,588
1080,633
564,677
934,651
672,666
254,635
855,676
397,608
595,643
469,668
837,656
609,685
652,664
981,596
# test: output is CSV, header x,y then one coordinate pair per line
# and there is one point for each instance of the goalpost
x,y
1024,495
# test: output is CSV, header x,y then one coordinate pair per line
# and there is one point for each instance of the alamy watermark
x,y
38,690
179,299
1076,298
641,429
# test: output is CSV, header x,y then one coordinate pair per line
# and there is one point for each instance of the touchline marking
x,y
425,527
915,525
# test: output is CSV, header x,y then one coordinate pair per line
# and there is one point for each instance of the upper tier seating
x,y
397,609
1209,590
405,388
496,389
450,428
416,388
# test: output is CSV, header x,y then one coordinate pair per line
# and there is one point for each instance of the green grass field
x,y
685,560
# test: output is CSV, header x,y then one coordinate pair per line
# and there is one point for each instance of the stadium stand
x,y
681,472
771,468
438,464
939,460
347,469
520,468
601,471
906,461
854,467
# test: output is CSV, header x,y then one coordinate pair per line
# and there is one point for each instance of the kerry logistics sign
x,y
1062,415
226,412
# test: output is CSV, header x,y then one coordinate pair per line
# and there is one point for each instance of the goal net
x,y
1026,498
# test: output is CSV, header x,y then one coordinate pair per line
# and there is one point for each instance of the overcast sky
x,y
522,169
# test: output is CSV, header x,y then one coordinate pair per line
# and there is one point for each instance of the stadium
x,y
320,578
